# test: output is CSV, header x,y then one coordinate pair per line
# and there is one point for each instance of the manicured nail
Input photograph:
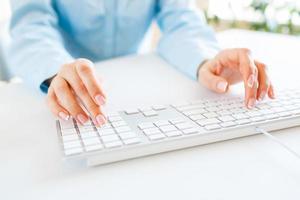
x,y
82,119
251,103
272,94
100,120
222,86
64,116
100,100
262,96
251,80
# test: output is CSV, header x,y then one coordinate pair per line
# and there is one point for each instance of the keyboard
x,y
155,129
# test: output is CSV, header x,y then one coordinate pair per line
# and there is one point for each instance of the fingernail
x,y
251,81
100,120
251,103
262,96
222,86
272,94
64,116
82,119
100,100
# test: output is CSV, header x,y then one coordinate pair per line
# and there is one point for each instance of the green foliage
x,y
269,23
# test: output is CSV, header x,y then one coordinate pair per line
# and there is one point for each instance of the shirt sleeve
x,y
187,40
36,50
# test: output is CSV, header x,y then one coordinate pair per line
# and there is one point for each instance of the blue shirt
x,y
45,34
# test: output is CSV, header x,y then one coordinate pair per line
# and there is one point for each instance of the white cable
x,y
278,142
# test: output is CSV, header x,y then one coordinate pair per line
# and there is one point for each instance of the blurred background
x,y
277,16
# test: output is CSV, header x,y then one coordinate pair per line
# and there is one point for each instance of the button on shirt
x,y
45,34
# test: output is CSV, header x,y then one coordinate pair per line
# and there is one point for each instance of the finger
x,y
87,101
263,81
212,81
271,93
86,73
67,99
249,73
55,108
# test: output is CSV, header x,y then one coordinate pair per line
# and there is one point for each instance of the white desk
x,y
247,168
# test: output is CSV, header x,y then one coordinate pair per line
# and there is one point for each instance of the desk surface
x,y
247,168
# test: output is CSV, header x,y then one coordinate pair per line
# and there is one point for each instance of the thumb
x,y
213,82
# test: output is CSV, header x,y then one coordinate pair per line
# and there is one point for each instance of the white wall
x,y
4,10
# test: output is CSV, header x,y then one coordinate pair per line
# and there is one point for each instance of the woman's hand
x,y
231,66
76,80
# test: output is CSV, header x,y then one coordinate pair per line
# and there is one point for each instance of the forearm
x,y
187,40
36,51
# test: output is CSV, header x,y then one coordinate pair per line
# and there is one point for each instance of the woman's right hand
x,y
76,79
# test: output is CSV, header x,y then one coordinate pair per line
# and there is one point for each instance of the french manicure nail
x,y
251,81
251,103
82,119
100,100
64,116
262,96
100,120
222,86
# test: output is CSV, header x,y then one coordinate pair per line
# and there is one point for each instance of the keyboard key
x,y
70,131
176,120
88,134
146,125
240,116
104,126
173,133
212,127
243,121
94,147
185,125
73,151
115,118
118,123
127,135
106,132
226,118
66,124
159,107
132,141
196,117
162,123
67,138
210,115
272,116
258,119
151,131
168,128
156,136
109,138
194,112
132,111
205,122
150,113
72,144
85,129
122,129
190,131
91,141
228,124
113,144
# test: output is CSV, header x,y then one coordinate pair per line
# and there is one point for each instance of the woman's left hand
x,y
231,66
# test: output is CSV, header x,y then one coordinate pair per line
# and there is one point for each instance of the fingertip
x,y
100,100
63,115
222,86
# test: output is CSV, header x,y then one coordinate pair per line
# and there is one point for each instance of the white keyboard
x,y
145,131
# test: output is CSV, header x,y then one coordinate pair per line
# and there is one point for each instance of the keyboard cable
x,y
278,141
